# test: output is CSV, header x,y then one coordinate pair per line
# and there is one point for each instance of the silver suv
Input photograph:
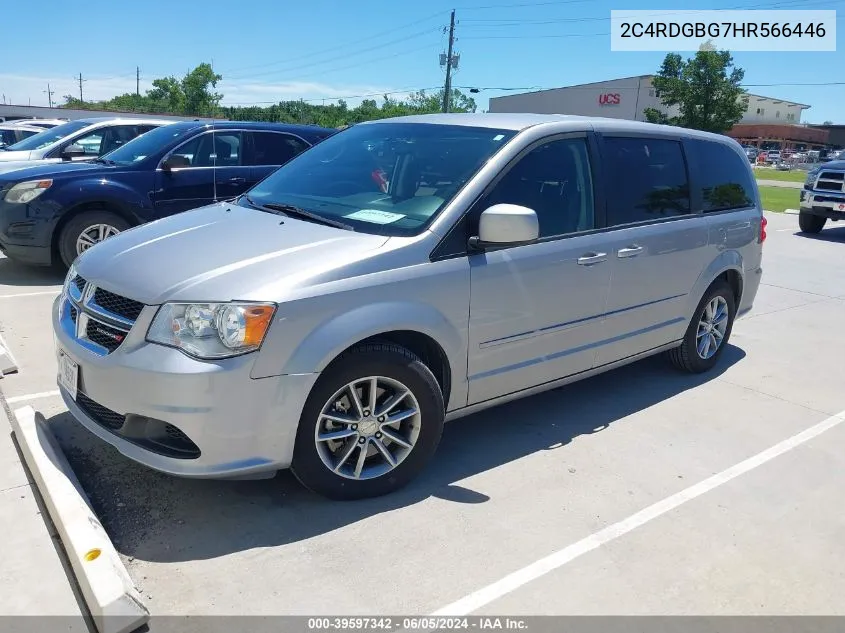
x,y
400,274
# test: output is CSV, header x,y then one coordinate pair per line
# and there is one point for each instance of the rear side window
x,y
723,176
274,148
647,179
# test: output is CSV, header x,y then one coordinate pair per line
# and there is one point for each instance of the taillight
x,y
763,223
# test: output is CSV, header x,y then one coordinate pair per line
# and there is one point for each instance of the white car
x,y
80,140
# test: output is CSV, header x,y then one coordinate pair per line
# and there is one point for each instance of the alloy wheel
x,y
367,428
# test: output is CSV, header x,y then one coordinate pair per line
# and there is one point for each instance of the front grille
x,y
831,181
175,433
104,335
79,282
121,306
73,313
100,414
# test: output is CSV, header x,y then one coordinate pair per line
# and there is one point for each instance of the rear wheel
x,y
809,223
87,229
370,425
708,332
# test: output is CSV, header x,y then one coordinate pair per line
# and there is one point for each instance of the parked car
x,y
823,196
11,134
321,323
44,124
751,152
52,213
80,140
773,156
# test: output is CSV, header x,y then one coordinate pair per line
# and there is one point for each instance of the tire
x,y
686,357
81,223
809,223
391,363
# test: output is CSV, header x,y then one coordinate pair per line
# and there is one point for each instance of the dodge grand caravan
x,y
399,274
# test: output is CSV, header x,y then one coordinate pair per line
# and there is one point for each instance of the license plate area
x,y
68,373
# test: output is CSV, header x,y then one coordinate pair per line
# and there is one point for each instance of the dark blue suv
x,y
53,213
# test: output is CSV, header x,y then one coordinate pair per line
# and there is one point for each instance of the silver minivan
x,y
400,274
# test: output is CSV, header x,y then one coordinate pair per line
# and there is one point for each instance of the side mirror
x,y
73,151
174,162
506,225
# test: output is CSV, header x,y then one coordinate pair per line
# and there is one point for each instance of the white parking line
x,y
33,396
520,577
30,294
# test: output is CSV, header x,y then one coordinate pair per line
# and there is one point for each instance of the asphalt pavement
x,y
641,491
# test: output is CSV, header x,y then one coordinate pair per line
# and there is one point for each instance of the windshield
x,y
384,178
147,144
48,137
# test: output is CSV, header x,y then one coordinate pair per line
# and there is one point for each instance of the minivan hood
x,y
217,253
8,155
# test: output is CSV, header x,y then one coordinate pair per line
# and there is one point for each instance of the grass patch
x,y
796,175
779,198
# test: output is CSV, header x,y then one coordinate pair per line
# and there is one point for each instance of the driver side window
x,y
91,143
554,180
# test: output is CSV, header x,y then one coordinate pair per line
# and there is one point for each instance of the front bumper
x,y
825,204
25,235
240,426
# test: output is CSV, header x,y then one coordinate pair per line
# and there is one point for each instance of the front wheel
x,y
708,332
370,425
809,223
87,229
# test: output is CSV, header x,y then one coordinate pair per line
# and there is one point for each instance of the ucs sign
x,y
609,98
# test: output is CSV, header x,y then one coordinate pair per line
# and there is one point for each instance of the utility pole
x,y
80,87
137,81
447,88
49,96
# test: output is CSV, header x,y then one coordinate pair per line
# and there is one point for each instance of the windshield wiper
x,y
298,212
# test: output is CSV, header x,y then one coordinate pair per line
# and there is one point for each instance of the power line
x,y
341,46
381,93
510,22
337,58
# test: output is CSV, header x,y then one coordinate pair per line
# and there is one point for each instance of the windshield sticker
x,y
375,216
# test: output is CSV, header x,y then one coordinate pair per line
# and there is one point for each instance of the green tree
x,y
197,85
705,88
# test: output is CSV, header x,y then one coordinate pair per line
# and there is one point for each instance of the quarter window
x,y
647,178
723,175
554,180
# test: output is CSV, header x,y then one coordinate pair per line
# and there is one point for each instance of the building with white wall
x,y
627,98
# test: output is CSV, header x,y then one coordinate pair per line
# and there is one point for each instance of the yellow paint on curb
x,y
92,554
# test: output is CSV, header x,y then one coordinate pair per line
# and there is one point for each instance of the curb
x,y
109,592
791,211
7,361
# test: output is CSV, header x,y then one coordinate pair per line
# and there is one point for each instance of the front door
x,y
657,246
536,309
212,171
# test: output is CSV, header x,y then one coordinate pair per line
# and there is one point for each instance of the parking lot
x,y
529,481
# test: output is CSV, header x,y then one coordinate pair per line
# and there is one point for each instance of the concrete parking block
x,y
110,594
8,364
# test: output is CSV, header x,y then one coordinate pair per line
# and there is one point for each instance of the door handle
x,y
589,259
629,251
237,180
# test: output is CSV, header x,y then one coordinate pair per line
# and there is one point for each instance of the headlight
x,y
212,330
24,192
811,177
71,274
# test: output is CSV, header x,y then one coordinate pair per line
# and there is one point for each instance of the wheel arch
x,y
90,205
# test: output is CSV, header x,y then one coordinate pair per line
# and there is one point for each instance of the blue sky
x,y
325,49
